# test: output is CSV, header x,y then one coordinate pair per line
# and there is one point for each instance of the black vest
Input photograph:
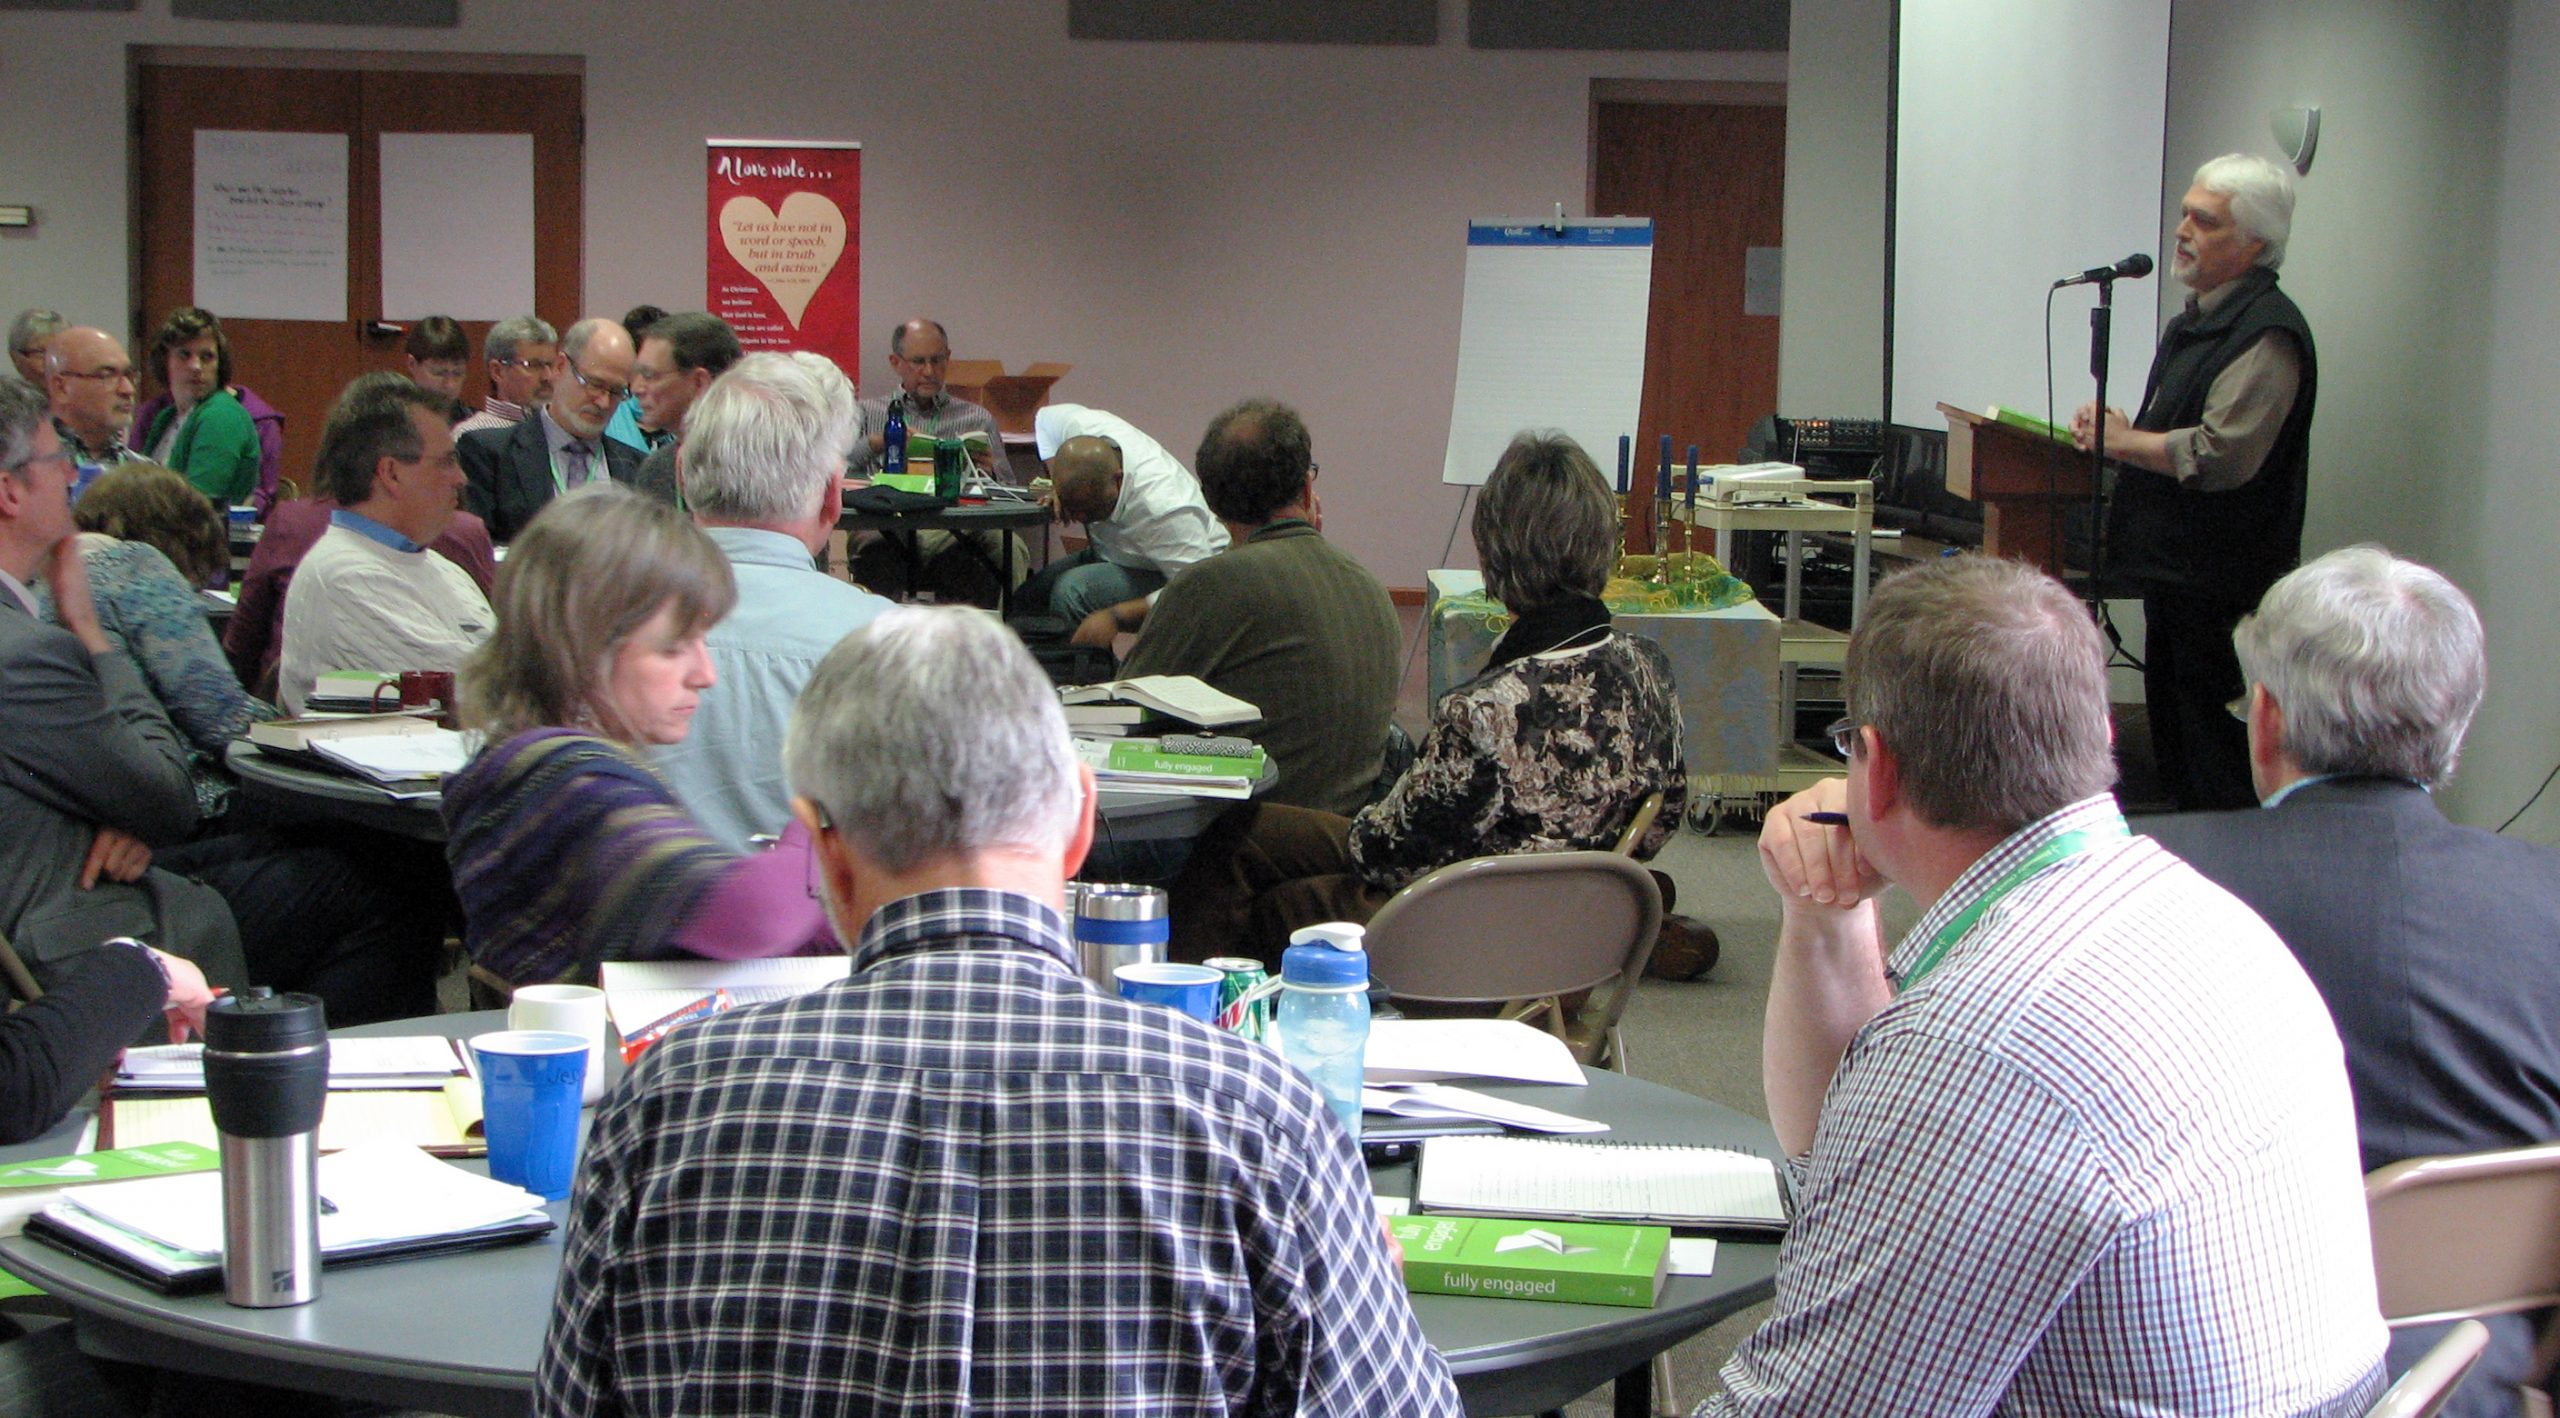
x,y
2231,545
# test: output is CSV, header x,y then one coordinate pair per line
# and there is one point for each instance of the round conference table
x,y
460,1334
291,792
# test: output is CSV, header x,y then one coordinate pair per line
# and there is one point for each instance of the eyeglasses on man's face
x,y
613,393
111,374
1844,735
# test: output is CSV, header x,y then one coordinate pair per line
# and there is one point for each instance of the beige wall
x,y
1185,224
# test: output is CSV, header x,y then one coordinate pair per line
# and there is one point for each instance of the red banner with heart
x,y
783,263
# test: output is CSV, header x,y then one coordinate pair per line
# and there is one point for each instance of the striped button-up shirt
x,y
2101,1160
966,1181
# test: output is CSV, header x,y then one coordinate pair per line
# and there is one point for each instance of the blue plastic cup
x,y
1192,989
530,1081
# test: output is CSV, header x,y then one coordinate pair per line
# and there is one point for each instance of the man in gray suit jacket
x,y
2436,947
92,776
96,807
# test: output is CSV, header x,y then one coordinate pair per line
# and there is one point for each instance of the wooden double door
x,y
301,365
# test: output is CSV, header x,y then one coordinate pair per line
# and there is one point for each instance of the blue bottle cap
x,y
1325,956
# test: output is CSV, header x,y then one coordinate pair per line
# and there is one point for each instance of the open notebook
x,y
1710,1188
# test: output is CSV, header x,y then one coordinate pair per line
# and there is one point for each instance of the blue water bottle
x,y
893,438
1324,1011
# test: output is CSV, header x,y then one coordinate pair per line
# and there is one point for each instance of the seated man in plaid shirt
x,y
2081,1143
964,1180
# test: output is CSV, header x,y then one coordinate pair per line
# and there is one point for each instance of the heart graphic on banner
x,y
791,251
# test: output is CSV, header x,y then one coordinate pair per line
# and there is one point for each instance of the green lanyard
x,y
2061,848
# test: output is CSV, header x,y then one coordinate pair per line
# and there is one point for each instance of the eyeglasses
x,y
29,351
1844,735
523,363
112,374
615,393
59,455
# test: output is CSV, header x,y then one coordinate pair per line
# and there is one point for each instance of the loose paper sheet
x,y
271,225
457,225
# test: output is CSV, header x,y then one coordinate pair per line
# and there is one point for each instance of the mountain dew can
x,y
1251,1020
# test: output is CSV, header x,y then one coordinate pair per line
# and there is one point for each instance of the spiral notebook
x,y
1695,1187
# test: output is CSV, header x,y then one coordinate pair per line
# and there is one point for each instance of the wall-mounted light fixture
x,y
2297,132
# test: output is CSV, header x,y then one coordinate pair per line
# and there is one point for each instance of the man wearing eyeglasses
x,y
515,473
29,334
522,352
2082,1141
90,380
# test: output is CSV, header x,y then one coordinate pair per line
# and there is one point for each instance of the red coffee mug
x,y
421,689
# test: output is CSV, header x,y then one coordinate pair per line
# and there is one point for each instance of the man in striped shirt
x,y
2081,1143
964,1180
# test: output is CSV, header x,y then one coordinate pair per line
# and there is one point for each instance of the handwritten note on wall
x,y
271,225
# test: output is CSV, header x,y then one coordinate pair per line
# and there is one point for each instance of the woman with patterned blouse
x,y
148,539
1553,747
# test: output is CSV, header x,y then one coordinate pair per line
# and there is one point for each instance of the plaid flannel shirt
x,y
965,1181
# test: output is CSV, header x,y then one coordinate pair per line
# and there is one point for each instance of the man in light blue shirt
x,y
763,449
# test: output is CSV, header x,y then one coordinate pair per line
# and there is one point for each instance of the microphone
x,y
2133,267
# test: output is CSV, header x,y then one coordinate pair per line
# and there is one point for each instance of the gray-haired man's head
x,y
762,446
2377,665
931,735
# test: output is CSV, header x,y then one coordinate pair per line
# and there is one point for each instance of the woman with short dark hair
x,y
567,847
203,432
1553,747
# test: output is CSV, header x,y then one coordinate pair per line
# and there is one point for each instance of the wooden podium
x,y
2024,481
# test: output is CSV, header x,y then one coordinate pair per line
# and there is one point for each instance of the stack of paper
x,y
396,1061
399,758
1601,1181
376,1202
29,1187
1429,1050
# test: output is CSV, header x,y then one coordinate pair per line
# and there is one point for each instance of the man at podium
x,y
2207,512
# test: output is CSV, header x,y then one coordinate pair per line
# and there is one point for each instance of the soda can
x,y
1251,1020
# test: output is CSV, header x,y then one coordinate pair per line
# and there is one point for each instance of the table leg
x,y
1004,580
1633,1393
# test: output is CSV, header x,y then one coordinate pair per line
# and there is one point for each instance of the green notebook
x,y
1582,1262
1145,758
2016,419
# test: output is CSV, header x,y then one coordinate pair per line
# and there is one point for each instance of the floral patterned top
x,y
1550,753
152,614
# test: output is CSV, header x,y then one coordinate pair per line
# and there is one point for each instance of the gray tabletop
x,y
460,1334
298,794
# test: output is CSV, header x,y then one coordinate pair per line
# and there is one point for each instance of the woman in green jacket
x,y
202,432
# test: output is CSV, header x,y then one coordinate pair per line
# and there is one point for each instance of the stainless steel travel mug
x,y
266,1073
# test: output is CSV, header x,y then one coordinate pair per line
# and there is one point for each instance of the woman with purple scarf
x,y
567,848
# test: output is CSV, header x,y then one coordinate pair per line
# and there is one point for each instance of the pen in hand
x,y
1828,819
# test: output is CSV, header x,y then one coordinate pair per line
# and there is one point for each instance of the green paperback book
x,y
1145,758
1583,1262
2019,419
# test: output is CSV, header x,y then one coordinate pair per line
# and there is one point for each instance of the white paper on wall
x,y
1551,336
457,225
271,225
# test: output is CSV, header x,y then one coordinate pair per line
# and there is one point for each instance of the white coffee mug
x,y
570,1009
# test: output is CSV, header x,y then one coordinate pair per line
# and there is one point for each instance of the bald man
x,y
89,380
920,357
515,472
1141,508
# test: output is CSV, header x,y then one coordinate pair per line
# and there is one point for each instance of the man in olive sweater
x,y
1282,619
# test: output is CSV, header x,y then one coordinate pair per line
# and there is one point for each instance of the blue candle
x,y
1626,444
1662,479
1693,483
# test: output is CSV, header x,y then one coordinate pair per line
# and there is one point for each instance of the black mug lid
x,y
259,1021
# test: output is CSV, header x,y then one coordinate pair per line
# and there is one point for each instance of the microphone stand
x,y
2101,328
